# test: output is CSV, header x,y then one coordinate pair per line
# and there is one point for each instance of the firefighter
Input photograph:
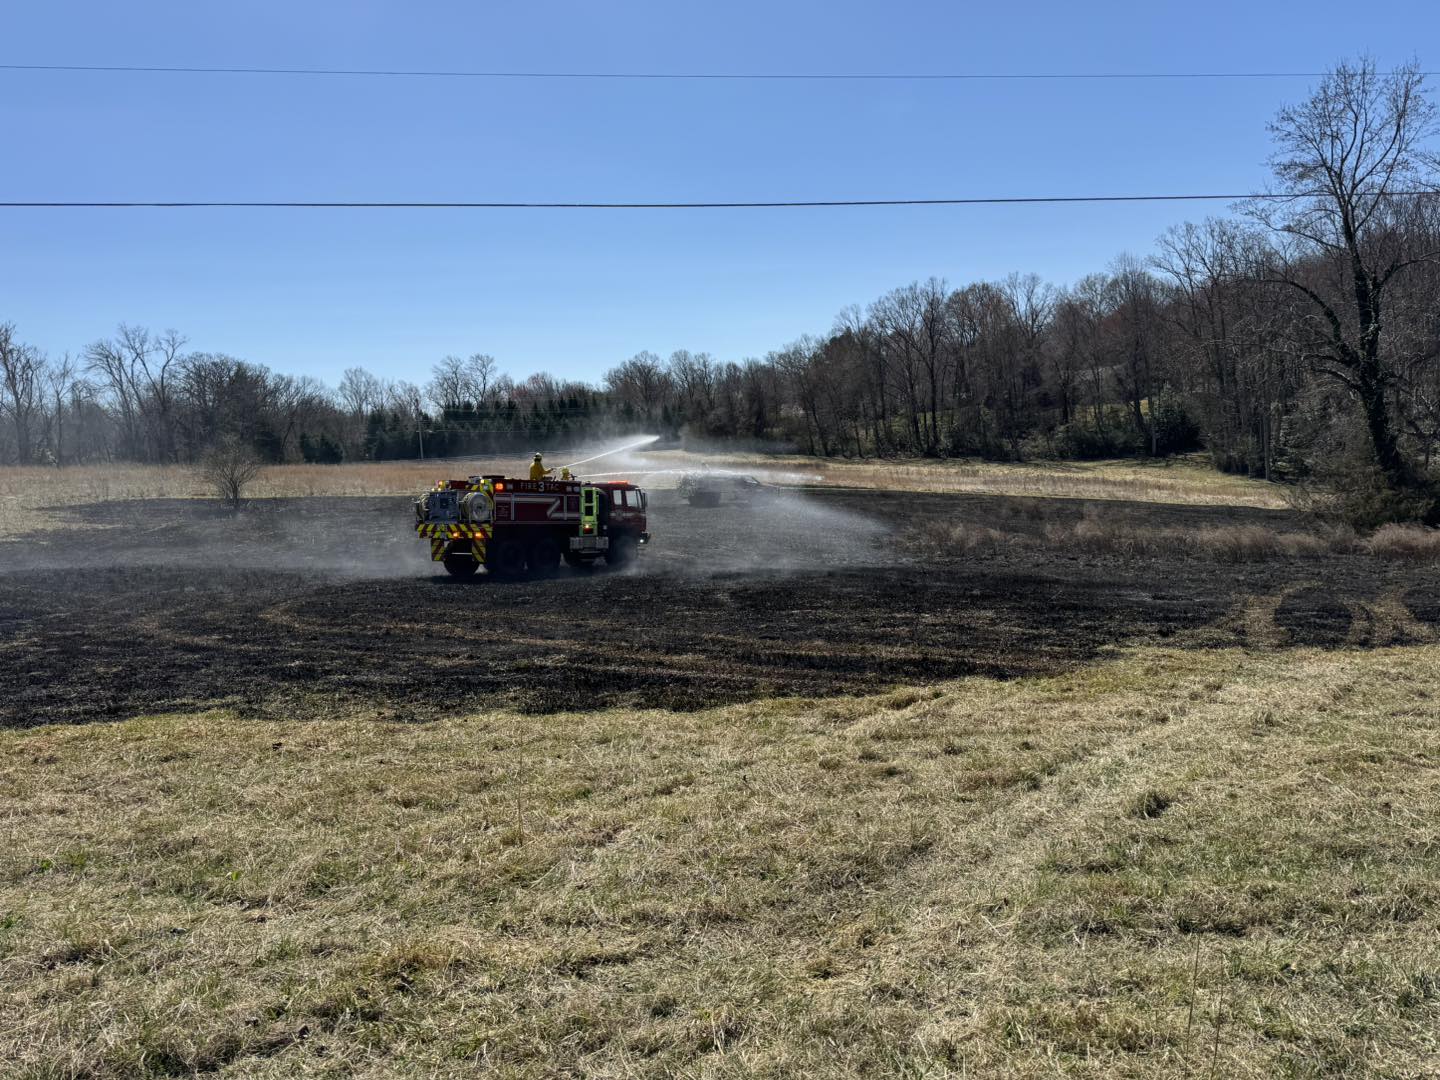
x,y
538,471
566,474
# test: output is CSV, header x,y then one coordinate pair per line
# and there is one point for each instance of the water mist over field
x,y
348,536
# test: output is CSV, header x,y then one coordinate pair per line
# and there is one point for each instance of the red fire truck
x,y
512,527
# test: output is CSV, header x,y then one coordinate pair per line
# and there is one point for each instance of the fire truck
x,y
514,527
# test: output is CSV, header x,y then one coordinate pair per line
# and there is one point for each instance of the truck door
x,y
590,511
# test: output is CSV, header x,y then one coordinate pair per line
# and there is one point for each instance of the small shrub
x,y
228,467
1359,495
1081,440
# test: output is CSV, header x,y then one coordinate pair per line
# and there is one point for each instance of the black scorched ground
x,y
303,608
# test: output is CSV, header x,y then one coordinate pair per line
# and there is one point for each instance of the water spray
x,y
765,475
642,472
644,440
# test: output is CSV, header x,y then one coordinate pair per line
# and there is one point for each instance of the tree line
x,y
1298,338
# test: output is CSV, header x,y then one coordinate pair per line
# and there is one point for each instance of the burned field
x,y
371,819
311,606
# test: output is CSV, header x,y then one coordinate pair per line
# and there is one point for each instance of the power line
x,y
776,204
732,76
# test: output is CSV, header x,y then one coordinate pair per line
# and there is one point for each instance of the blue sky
x,y
575,292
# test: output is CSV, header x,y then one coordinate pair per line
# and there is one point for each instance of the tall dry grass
x,y
1405,543
1093,535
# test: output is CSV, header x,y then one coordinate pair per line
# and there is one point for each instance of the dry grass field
x,y
1175,482
1193,831
27,493
1172,863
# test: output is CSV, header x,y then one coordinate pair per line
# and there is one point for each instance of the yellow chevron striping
x,y
455,532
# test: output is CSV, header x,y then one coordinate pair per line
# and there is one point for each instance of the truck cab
x,y
615,524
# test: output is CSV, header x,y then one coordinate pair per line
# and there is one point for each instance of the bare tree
x,y
59,386
449,385
1069,333
538,389
405,398
915,323
1137,311
802,365
360,392
160,368
694,377
1347,159
455,383
229,467
1240,384
1093,303
111,367
297,401
1026,306
482,372
139,371
641,382
22,373
858,336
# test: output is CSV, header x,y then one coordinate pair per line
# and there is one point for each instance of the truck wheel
x,y
544,556
621,551
458,560
507,559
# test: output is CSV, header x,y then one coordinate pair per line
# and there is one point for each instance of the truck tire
x,y
507,559
459,561
544,556
621,551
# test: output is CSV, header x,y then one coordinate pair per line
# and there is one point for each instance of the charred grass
x,y
1171,863
178,605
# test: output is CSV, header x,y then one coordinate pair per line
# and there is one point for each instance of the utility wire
x,y
777,204
736,76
